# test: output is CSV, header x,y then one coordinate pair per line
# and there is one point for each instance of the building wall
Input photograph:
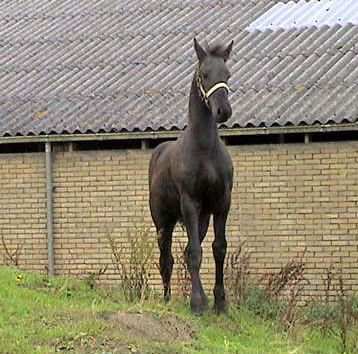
x,y
289,201
23,210
298,201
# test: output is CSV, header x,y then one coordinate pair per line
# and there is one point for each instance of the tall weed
x,y
11,257
133,263
237,273
183,276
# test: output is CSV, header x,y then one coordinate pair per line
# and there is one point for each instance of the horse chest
x,y
209,182
207,176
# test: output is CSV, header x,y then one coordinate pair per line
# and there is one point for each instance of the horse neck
x,y
202,125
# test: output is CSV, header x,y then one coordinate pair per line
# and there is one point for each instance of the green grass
x,y
40,314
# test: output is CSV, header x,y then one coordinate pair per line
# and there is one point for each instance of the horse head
x,y
212,78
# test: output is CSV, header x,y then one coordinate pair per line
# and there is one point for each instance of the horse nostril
x,y
219,112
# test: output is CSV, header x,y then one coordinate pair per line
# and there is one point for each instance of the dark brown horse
x,y
191,178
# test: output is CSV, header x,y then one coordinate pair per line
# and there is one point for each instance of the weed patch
x,y
237,274
44,314
183,276
134,268
11,257
277,300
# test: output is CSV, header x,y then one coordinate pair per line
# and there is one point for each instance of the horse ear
x,y
226,52
200,52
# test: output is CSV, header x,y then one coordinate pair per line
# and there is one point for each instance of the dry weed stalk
x,y
290,279
348,317
183,276
290,275
92,278
237,273
134,268
12,258
328,282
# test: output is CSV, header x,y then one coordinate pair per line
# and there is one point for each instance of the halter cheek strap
x,y
207,94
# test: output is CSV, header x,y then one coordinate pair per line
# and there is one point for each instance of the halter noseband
x,y
206,94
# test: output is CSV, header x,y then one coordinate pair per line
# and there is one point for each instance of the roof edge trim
x,y
317,128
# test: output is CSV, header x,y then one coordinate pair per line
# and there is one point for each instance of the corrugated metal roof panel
x,y
307,14
110,66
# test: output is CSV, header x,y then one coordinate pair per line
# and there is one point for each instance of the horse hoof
x,y
220,308
204,303
167,295
197,312
198,305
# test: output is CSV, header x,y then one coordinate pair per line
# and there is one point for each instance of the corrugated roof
x,y
315,13
96,66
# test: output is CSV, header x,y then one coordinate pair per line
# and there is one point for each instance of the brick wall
x,y
294,200
289,200
23,210
97,195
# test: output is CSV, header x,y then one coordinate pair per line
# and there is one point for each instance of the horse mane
x,y
216,49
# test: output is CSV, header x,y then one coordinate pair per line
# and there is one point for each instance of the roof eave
x,y
165,134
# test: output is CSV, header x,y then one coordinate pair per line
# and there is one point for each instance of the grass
x,y
41,314
36,313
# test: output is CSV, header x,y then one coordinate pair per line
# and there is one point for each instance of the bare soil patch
x,y
140,332
151,326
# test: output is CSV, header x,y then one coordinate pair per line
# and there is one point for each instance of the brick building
x,y
90,87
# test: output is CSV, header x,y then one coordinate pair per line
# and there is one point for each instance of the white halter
x,y
206,94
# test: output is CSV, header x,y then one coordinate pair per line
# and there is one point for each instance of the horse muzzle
x,y
220,106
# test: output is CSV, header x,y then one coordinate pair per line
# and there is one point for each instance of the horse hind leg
x,y
166,260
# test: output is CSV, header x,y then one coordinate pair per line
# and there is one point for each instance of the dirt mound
x,y
152,326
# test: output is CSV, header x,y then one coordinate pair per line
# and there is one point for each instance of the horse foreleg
x,y
219,249
166,259
204,220
190,215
